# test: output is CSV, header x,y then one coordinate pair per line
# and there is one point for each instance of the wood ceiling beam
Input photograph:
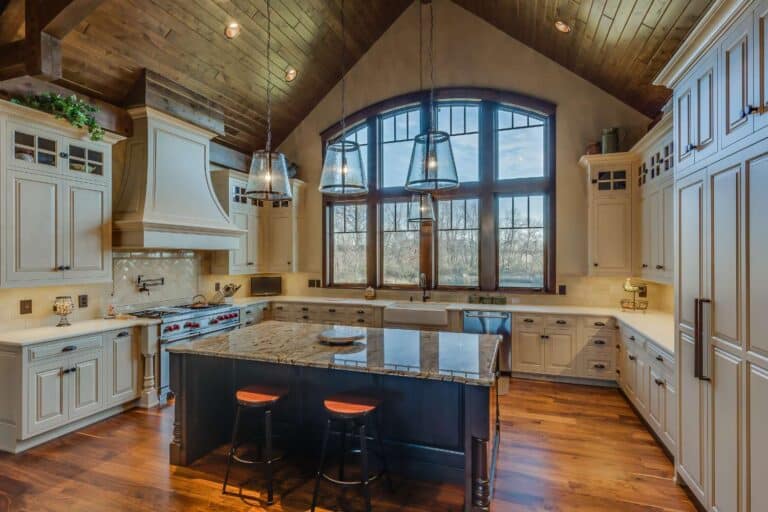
x,y
46,22
110,117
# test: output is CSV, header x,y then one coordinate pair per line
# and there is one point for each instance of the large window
x,y
495,231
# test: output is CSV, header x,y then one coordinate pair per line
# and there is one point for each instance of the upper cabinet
x,y
610,213
56,209
760,67
270,243
736,77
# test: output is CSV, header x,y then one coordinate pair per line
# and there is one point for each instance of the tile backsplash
x,y
180,272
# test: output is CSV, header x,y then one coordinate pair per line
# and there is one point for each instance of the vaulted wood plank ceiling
x,y
619,45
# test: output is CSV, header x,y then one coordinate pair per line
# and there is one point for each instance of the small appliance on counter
x,y
262,286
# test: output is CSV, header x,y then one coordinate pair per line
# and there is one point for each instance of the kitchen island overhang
x,y
438,416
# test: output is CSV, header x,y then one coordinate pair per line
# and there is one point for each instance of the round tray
x,y
341,335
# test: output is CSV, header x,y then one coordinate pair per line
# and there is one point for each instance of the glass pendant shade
x,y
421,208
268,177
343,173
432,165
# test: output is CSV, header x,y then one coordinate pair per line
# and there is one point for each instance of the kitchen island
x,y
439,411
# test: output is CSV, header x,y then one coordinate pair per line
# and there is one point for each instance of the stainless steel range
x,y
186,323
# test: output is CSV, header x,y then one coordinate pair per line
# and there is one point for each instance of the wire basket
x,y
634,304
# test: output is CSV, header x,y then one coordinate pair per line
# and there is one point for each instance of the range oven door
x,y
165,391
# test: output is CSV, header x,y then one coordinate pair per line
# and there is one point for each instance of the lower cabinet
x,y
71,379
545,345
323,313
560,352
527,351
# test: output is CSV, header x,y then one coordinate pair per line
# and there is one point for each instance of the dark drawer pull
x,y
599,366
544,337
528,320
632,358
248,311
599,342
360,312
123,334
305,308
68,370
69,348
561,322
631,338
599,324
659,382
361,320
331,310
305,317
659,358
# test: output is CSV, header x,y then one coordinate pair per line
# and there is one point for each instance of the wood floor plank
x,y
564,448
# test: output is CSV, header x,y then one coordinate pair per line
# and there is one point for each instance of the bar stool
x,y
351,411
255,397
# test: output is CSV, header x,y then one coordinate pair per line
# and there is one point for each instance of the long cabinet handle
x,y
698,338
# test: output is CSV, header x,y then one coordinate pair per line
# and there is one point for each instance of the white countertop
x,y
21,337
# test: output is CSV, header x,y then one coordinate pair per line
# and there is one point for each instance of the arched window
x,y
494,232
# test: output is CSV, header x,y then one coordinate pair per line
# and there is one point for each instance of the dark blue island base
x,y
439,430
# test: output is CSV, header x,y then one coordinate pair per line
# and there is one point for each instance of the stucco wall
x,y
470,52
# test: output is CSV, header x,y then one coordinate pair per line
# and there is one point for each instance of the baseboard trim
x,y
566,380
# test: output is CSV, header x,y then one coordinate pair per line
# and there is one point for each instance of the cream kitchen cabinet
x,y
245,213
657,231
56,211
324,313
760,66
736,119
53,387
609,197
528,351
282,221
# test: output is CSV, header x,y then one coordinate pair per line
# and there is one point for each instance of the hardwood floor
x,y
564,448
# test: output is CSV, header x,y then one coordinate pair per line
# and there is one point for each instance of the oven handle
x,y
486,314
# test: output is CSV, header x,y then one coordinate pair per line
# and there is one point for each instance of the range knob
x,y
176,327
213,321
168,328
220,317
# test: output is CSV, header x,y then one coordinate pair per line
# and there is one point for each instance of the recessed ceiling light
x,y
291,73
232,30
562,26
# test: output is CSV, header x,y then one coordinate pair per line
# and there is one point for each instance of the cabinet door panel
x,y
528,352
559,353
693,429
690,215
657,232
47,405
254,242
33,149
705,107
239,256
645,235
86,385
88,232
757,449
736,51
667,229
123,382
630,373
669,434
724,219
656,400
34,240
684,125
642,390
726,397
280,244
612,240
757,254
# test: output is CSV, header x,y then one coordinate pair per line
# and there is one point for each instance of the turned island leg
x,y
148,342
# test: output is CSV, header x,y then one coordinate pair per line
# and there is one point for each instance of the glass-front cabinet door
x,y
85,159
33,149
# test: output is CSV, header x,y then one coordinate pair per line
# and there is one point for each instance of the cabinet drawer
x,y
631,338
561,321
599,368
524,320
64,348
599,343
659,358
597,322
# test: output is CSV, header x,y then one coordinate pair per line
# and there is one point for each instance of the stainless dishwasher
x,y
493,322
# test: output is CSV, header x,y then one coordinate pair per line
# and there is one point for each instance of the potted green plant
x,y
76,111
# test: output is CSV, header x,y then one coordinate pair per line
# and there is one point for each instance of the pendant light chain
x,y
343,75
432,109
421,47
269,81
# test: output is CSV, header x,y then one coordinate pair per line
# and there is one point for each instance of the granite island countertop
x,y
443,356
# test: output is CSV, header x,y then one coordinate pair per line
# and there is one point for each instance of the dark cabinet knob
x,y
659,267
528,320
250,263
544,337
691,147
305,309
599,324
632,358
331,310
631,338
659,358
360,312
305,317
659,382
599,342
618,372
360,320
64,372
561,322
63,155
595,265
645,265
599,366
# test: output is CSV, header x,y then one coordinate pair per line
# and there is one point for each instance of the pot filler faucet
x,y
423,286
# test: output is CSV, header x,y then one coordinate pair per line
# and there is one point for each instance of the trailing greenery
x,y
77,112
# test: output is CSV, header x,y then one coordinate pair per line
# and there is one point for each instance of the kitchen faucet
x,y
423,286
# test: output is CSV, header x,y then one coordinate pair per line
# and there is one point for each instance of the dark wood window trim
x,y
487,190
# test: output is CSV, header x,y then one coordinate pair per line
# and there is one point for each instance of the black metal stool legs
x,y
232,448
319,474
268,455
364,481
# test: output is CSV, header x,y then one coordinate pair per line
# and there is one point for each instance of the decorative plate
x,y
341,335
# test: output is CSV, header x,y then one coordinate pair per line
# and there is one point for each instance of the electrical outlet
x,y
643,291
82,301
318,284
217,287
311,283
25,307
561,289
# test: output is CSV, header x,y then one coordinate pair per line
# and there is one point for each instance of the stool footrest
x,y
351,483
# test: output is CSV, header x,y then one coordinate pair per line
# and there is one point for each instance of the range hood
x,y
162,192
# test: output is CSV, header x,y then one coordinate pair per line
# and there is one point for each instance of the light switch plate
x,y
25,307
82,301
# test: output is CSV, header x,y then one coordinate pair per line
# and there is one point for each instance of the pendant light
x,y
421,209
268,177
432,165
343,174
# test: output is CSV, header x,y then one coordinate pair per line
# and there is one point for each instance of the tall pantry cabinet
x,y
721,255
55,212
